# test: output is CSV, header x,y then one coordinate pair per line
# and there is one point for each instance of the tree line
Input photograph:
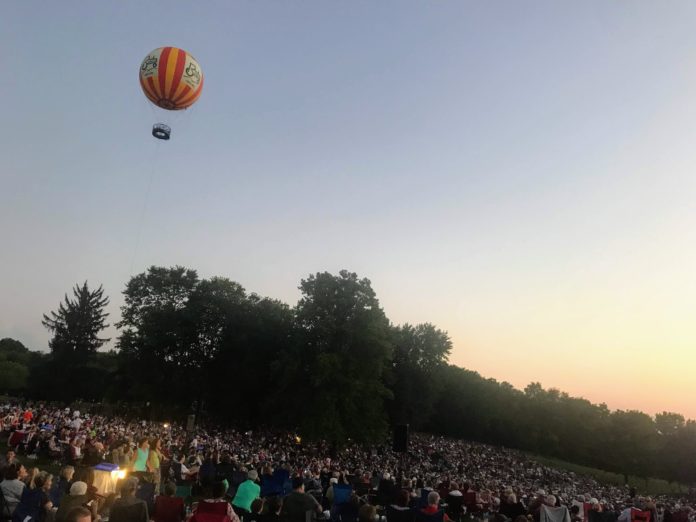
x,y
332,367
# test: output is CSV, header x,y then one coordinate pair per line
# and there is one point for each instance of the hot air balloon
x,y
172,79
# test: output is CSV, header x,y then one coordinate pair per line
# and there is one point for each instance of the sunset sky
x,y
521,174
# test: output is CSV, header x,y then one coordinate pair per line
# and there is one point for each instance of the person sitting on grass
x,y
433,507
76,498
79,514
129,508
35,504
9,458
217,504
61,487
297,503
169,508
12,487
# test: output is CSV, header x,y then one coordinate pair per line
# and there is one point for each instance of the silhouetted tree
x,y
77,324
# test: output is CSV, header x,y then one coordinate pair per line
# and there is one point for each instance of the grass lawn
x,y
647,486
42,464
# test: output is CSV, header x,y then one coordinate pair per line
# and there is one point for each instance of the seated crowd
x,y
234,476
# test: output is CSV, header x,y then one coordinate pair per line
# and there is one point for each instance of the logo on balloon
x,y
193,72
149,64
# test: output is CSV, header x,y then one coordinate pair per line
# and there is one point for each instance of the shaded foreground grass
x,y
645,486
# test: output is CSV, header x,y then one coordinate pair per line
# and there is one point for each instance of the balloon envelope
x,y
171,78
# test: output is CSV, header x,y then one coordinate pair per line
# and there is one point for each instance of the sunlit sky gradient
x,y
521,174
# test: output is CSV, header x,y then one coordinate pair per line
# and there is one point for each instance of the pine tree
x,y
77,323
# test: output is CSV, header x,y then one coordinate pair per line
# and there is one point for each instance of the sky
x,y
520,174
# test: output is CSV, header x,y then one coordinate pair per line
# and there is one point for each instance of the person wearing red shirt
x,y
433,507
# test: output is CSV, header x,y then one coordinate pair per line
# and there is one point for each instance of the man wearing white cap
x,y
76,498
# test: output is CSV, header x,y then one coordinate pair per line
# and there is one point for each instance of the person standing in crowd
x,y
75,451
140,457
330,490
256,510
179,471
207,472
272,508
154,462
386,490
247,492
298,503
93,453
122,454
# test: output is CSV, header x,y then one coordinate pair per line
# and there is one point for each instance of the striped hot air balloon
x,y
171,78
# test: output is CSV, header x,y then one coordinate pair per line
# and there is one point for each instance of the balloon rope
x,y
144,207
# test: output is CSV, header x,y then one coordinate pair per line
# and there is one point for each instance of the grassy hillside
x,y
646,486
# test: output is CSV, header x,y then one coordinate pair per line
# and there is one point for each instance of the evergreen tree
x,y
77,324
76,327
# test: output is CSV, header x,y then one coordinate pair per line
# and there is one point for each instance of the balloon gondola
x,y
161,131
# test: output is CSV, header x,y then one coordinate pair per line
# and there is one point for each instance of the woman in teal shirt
x,y
140,461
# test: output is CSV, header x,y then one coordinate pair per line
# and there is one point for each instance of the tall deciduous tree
x,y
15,351
14,365
420,353
343,350
13,376
157,334
187,340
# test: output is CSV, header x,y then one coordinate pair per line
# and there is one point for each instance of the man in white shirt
x,y
625,515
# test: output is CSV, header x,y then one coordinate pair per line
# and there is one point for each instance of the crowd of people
x,y
209,474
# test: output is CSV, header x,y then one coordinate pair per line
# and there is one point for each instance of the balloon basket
x,y
161,131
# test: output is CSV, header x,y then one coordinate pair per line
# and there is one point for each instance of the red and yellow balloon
x,y
171,78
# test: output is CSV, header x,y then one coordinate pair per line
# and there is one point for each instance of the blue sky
x,y
519,173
